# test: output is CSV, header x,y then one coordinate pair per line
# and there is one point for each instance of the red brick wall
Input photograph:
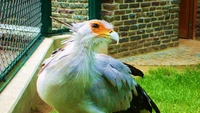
x,y
143,25
69,11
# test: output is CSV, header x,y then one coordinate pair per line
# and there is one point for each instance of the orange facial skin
x,y
99,29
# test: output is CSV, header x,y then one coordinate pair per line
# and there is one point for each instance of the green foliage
x,y
173,90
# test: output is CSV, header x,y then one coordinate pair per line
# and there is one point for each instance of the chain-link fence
x,y
20,26
23,21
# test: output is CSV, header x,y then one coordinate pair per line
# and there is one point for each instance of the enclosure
x,y
26,31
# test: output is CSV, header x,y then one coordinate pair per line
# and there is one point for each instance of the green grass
x,y
174,90
54,111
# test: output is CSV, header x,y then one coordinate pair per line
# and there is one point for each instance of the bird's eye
x,y
94,25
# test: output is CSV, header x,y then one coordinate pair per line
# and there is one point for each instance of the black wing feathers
x,y
134,71
141,103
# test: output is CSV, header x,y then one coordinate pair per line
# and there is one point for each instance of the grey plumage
x,y
76,79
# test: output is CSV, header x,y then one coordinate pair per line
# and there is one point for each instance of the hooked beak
x,y
114,35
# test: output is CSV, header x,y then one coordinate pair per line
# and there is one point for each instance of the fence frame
x,y
10,71
95,9
19,62
46,20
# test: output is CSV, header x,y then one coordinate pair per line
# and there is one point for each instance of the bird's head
x,y
93,33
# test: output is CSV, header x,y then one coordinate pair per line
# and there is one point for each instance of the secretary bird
x,y
101,49
76,79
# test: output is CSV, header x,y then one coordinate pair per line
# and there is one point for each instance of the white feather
x,y
67,80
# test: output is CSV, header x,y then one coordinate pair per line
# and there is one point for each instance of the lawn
x,y
173,90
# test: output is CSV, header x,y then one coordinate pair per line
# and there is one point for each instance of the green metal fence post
x,y
94,9
46,20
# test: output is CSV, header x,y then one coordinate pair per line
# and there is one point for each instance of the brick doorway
x,y
187,19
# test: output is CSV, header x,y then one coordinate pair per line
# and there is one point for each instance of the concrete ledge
x,y
20,94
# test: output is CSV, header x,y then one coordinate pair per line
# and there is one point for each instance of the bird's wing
x,y
113,87
115,71
134,70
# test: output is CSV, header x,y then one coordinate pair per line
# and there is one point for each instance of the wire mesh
x,y
20,26
69,11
